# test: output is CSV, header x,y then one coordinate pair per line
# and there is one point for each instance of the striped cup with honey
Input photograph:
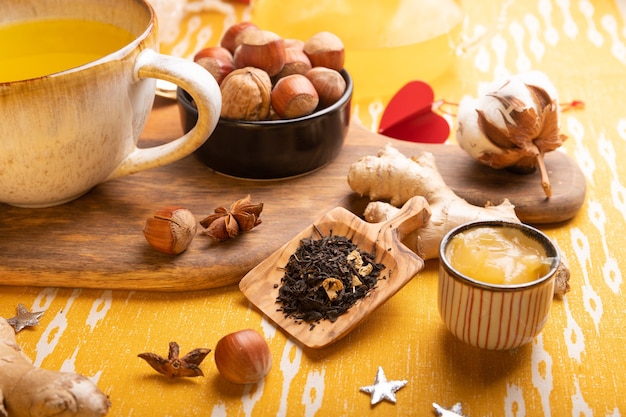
x,y
496,283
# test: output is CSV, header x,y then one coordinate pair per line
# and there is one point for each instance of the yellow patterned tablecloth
x,y
574,368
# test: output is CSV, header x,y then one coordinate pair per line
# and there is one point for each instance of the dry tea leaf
x,y
322,279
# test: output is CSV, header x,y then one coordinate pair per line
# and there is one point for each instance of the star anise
x,y
226,224
174,366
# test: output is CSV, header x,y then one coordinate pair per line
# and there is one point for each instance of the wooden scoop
x,y
261,284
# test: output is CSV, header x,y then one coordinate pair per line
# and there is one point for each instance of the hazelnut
x,y
261,49
214,52
325,49
294,43
170,230
296,62
217,60
328,83
294,96
232,39
243,357
246,94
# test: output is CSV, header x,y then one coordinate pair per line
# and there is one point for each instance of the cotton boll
x,y
512,124
541,80
469,135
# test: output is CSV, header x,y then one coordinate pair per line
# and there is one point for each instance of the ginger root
x,y
393,177
34,392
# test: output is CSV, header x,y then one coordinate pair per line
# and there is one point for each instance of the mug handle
x,y
201,85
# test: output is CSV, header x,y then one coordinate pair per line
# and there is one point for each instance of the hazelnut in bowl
x,y
277,146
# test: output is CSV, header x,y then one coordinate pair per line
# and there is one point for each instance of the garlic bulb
x,y
513,124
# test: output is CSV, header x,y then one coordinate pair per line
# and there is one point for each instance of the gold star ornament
x,y
383,389
24,318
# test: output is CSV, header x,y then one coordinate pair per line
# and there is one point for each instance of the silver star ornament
x,y
383,389
24,318
455,411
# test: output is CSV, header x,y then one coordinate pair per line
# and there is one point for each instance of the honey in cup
x,y
39,47
502,255
496,283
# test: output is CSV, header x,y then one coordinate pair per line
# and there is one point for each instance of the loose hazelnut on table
x,y
328,83
246,94
325,49
243,357
294,96
261,49
170,230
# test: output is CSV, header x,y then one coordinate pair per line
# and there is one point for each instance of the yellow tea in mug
x,y
35,48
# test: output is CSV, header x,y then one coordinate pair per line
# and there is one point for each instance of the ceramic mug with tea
x,y
496,283
77,83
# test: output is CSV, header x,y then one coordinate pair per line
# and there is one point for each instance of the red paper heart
x,y
409,116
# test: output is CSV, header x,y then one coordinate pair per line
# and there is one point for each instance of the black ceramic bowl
x,y
273,149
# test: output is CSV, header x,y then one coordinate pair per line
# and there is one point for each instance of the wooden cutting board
x,y
97,240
